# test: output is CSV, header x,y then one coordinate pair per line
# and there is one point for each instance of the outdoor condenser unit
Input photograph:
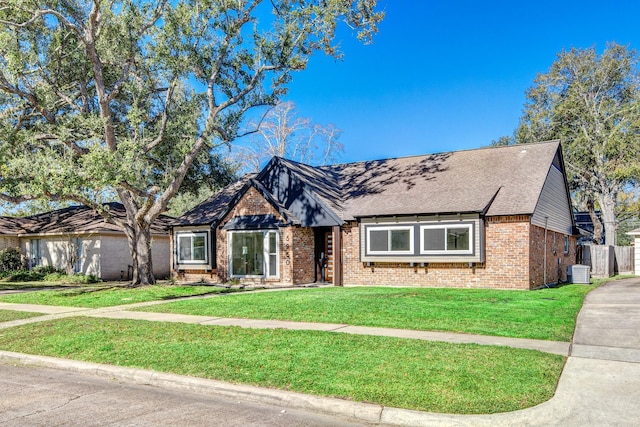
x,y
579,274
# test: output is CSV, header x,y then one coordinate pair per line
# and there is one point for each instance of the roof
x,y
494,181
74,219
210,211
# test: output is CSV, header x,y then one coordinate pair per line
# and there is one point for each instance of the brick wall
x,y
303,256
506,262
252,203
557,260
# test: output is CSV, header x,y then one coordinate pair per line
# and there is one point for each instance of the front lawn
x,y
9,315
95,297
414,374
547,314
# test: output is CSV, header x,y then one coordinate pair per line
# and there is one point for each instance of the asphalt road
x,y
47,397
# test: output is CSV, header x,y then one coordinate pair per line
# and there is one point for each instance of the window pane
x,y
379,240
433,239
273,265
199,248
184,245
272,242
458,239
247,254
400,240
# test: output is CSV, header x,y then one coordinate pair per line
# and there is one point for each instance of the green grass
x,y
547,314
415,374
94,297
8,315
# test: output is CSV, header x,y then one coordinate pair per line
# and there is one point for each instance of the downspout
x,y
544,269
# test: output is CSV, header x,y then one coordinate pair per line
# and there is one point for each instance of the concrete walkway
x,y
600,384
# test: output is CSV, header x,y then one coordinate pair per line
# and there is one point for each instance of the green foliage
x,y
402,373
11,259
137,98
105,297
78,278
591,103
545,314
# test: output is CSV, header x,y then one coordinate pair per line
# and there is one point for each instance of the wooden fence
x,y
606,261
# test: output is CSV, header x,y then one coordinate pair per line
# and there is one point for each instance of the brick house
x,y
497,217
101,248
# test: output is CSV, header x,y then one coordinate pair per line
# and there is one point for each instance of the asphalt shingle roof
x,y
494,180
74,219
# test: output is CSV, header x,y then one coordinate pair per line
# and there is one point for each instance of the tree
x,y
591,103
122,97
283,133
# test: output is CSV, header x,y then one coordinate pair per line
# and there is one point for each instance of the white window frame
x,y
566,244
192,234
447,251
409,228
266,254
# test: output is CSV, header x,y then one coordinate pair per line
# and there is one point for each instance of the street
x,y
47,397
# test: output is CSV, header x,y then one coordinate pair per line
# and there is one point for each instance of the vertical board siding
x,y
554,204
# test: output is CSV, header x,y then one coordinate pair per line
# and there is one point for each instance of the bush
x,y
23,276
11,260
47,269
60,276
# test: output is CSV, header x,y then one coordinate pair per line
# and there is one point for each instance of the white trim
x,y
265,254
408,228
446,251
192,234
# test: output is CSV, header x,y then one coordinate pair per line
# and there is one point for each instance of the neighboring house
x,y
99,247
488,218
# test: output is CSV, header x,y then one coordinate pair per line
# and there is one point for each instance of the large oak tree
x,y
102,98
591,103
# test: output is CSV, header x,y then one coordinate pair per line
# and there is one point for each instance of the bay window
x,y
254,253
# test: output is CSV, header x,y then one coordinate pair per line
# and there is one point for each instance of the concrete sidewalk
x,y
600,384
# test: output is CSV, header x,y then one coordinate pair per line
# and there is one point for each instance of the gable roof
x,y
494,181
74,219
211,210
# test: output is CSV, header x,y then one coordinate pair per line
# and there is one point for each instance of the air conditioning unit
x,y
579,274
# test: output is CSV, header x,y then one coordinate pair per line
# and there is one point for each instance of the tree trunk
x,y
607,206
139,237
597,225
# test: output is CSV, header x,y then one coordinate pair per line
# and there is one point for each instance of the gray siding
x,y
554,204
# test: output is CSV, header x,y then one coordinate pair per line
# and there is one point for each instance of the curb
x,y
370,413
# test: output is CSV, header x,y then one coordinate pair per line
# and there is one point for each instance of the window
x,y
192,248
446,239
566,244
254,253
35,252
390,240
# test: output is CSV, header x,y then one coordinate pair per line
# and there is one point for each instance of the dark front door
x,y
324,253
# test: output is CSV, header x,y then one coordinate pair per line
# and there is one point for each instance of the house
x,y
99,247
497,217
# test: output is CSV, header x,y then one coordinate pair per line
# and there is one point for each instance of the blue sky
x,y
449,75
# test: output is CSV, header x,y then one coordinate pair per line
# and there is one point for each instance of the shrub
x,y
24,276
47,269
61,276
11,259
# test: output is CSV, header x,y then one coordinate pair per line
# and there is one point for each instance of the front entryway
x,y
324,255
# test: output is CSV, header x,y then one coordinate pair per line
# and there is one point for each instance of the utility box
x,y
579,274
